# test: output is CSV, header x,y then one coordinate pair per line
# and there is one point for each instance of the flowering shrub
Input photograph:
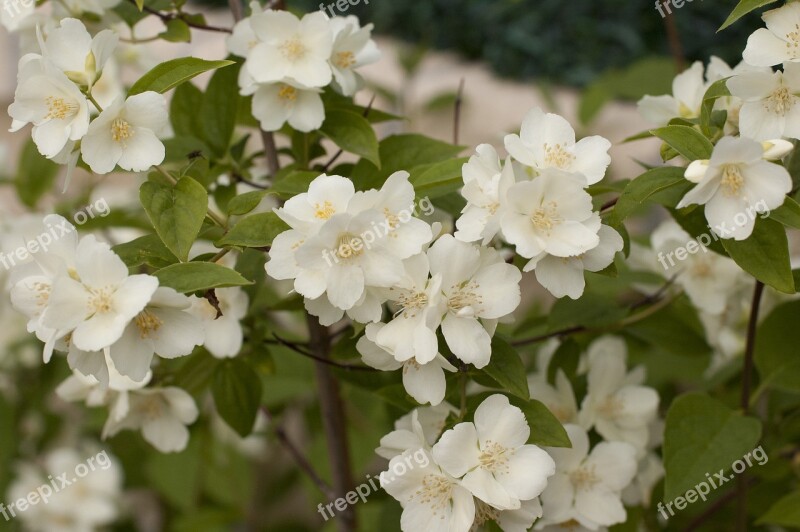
x,y
265,296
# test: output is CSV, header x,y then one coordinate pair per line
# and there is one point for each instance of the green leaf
x,y
35,175
244,203
254,231
788,214
438,179
293,183
765,255
702,435
186,100
219,109
785,512
170,74
187,277
685,140
507,369
176,31
148,249
591,310
647,185
744,7
717,90
352,133
237,395
176,213
776,348
140,5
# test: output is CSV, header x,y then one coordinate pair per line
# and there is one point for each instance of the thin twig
x,y
339,153
298,456
166,17
675,46
297,349
712,509
238,178
457,111
608,205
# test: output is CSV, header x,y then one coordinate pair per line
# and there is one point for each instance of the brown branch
x,y
333,421
457,111
297,349
608,205
166,17
675,46
713,509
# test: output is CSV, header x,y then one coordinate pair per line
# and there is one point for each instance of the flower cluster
x,y
537,201
54,91
289,61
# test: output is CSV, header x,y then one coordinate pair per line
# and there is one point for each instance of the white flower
x,y
307,212
688,89
563,276
419,428
558,398
650,470
81,57
485,186
518,520
425,382
79,387
550,214
275,104
616,404
738,184
126,134
708,278
432,500
223,334
162,415
89,503
291,49
771,109
779,42
46,98
477,285
352,48
548,141
243,38
492,456
587,486
718,69
100,300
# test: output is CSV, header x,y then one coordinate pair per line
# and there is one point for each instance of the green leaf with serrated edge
x,y
244,203
687,141
765,255
785,512
776,348
176,212
352,133
507,369
237,395
641,189
254,231
187,277
703,435
170,74
742,8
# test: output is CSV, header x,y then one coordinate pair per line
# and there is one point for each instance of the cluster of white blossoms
x,y
591,488
80,299
763,108
537,201
476,471
87,503
54,95
289,61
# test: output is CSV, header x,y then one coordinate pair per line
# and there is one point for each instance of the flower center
x,y
483,514
584,478
59,109
121,130
152,407
349,246
100,301
464,299
411,302
392,219
324,210
293,49
493,457
610,407
546,217
732,180
780,101
287,94
345,59
147,323
793,42
436,492
556,155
